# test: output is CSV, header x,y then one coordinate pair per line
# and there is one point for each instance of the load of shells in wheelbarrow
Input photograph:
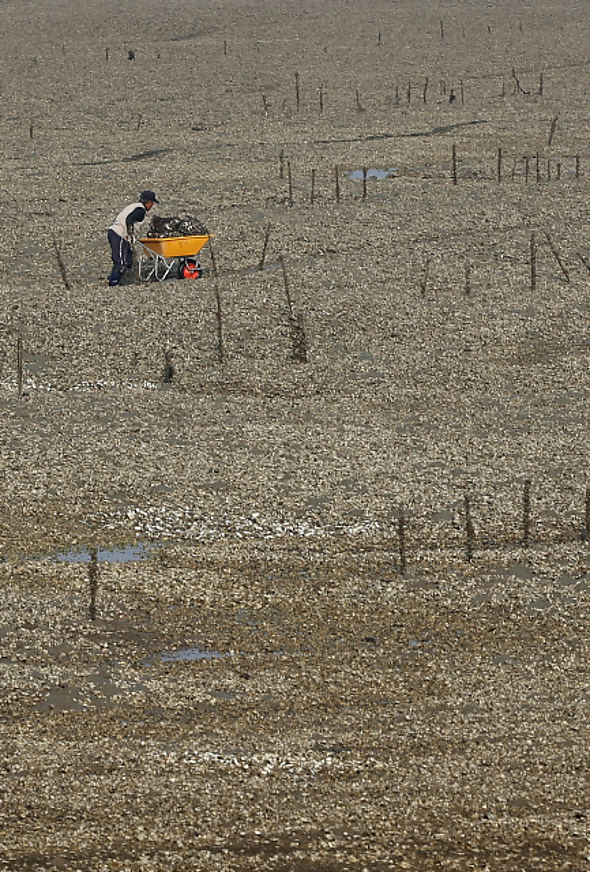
x,y
170,248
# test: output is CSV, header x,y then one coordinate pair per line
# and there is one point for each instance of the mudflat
x,y
294,556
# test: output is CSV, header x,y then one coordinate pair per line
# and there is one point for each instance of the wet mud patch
x,y
62,699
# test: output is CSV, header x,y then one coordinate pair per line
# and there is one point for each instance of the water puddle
x,y
127,554
222,694
371,174
190,654
538,605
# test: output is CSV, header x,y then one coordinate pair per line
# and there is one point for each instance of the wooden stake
x,y
517,86
220,351
19,365
469,531
264,247
499,164
290,183
297,97
168,371
218,314
526,513
424,280
287,291
533,263
454,155
337,183
61,264
312,194
401,528
552,129
558,258
93,582
364,183
213,260
298,339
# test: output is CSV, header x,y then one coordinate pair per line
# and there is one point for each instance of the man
x,y
122,231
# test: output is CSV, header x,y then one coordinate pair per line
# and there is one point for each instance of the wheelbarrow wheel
x,y
190,268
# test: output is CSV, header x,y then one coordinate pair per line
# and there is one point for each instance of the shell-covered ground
x,y
294,556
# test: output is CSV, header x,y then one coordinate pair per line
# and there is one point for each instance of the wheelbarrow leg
x,y
164,267
144,275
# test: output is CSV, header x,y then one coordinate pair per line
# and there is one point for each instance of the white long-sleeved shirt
x,y
123,223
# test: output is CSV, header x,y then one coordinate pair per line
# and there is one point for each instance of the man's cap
x,y
147,196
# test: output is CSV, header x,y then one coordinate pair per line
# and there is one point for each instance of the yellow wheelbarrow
x,y
157,258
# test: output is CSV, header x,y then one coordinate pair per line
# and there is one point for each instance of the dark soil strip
x,y
143,155
434,132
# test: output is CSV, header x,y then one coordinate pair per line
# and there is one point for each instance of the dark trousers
x,y
122,257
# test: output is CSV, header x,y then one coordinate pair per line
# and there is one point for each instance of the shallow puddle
x,y
116,555
371,174
538,605
190,654
222,694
